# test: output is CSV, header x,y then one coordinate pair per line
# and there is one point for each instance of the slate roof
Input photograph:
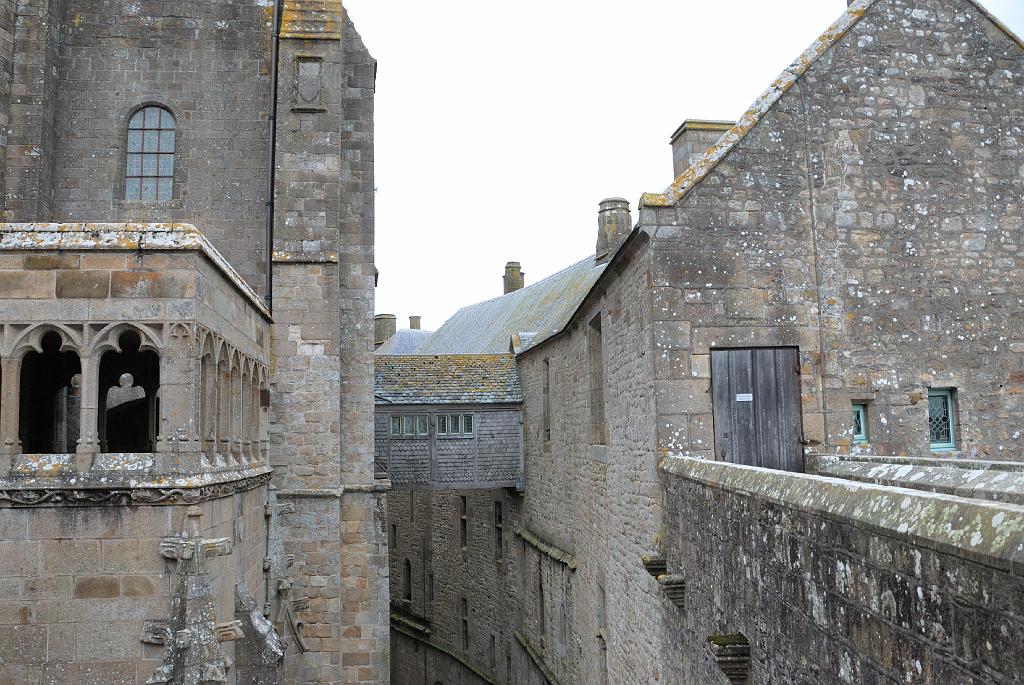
x,y
446,379
540,309
405,341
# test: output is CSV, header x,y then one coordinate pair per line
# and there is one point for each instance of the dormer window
x,y
149,171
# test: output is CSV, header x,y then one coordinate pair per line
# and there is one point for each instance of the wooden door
x,y
756,403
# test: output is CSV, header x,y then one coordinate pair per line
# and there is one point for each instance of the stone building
x,y
186,479
776,439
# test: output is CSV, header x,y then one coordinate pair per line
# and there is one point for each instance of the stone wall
x,y
871,217
835,582
599,504
78,584
425,527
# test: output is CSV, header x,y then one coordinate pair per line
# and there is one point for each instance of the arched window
x,y
149,171
129,397
49,398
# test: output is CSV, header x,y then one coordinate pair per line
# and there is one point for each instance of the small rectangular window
x,y
465,623
396,425
430,587
941,419
499,532
408,425
393,542
442,425
467,424
422,425
595,349
492,653
547,399
860,423
454,424
463,521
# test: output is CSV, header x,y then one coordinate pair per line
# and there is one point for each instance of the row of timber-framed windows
x,y
942,422
149,155
410,425
418,425
454,424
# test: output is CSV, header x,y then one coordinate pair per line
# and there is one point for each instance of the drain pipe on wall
x,y
271,170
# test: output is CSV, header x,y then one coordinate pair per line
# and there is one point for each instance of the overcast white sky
x,y
501,125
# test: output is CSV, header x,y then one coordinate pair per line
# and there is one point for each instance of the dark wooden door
x,y
756,401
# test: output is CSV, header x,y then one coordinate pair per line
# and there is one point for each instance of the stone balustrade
x,y
129,353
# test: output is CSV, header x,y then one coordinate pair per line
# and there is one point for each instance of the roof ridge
x,y
524,288
697,171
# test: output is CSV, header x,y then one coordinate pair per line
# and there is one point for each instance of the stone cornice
x,y
121,493
126,236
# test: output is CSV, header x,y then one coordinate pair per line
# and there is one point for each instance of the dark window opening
x,y
595,345
463,521
407,582
547,399
129,405
465,623
499,529
50,401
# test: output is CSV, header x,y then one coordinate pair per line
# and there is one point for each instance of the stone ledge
x,y
125,491
559,555
129,237
998,481
990,533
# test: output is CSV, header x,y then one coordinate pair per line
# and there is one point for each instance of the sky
x,y
501,125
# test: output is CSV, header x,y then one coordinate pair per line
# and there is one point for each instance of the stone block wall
x,y
424,526
78,584
833,582
870,217
599,504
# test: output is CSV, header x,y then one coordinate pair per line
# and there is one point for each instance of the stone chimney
x,y
692,140
414,322
384,326
613,225
514,277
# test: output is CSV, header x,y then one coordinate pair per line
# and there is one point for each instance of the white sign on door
x,y
745,397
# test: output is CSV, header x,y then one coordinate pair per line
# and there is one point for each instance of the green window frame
x,y
860,423
941,419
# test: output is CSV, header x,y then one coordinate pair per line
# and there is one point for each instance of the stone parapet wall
x,y
836,581
80,584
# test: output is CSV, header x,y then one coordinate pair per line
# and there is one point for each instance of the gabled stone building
x,y
186,477
776,440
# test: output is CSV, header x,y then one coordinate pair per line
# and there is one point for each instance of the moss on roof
x,y
446,379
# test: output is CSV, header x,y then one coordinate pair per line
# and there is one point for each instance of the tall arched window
x,y
149,172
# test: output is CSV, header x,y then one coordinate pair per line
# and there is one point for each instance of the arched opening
x,y
49,399
208,406
128,400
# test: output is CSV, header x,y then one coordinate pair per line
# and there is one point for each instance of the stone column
x,y
10,405
224,412
89,413
236,416
178,438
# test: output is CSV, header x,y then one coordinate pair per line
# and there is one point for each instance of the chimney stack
x,y
514,277
384,326
692,140
414,322
613,225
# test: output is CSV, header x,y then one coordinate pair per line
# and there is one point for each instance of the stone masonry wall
x,y
825,586
872,218
598,503
78,583
322,385
424,525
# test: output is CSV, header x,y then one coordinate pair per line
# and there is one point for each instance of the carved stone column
x,y
89,426
178,440
10,404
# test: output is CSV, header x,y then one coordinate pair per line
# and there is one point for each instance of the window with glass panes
x,y
860,423
941,420
149,169
411,425
454,424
